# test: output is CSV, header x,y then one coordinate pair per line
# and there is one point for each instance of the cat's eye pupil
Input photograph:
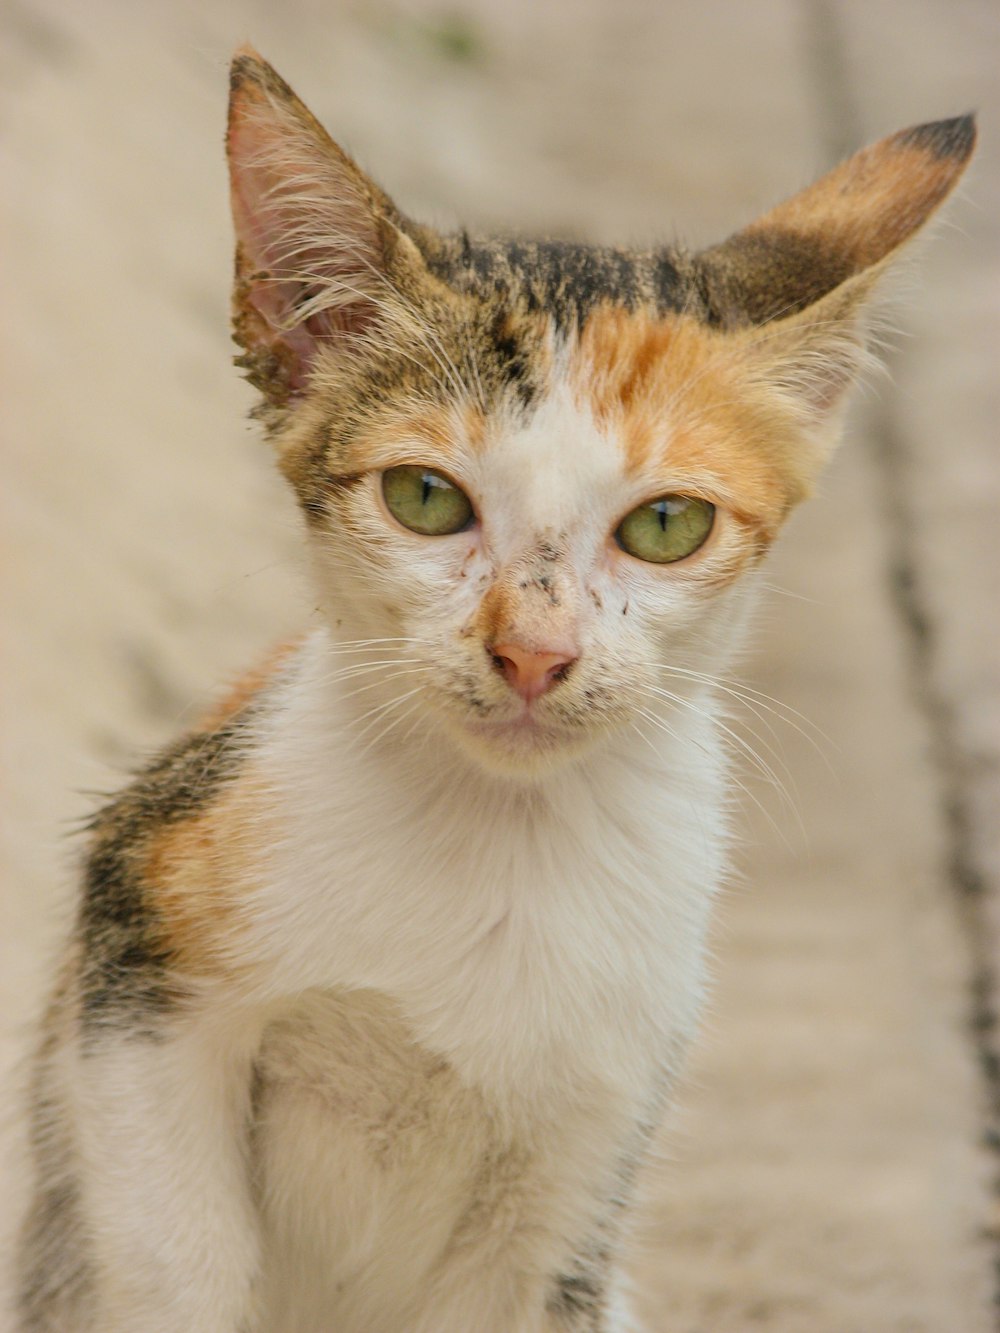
x,y
425,500
667,529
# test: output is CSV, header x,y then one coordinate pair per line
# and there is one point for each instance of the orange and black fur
x,y
380,980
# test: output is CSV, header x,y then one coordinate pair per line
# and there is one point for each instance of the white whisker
x,y
384,680
375,714
744,746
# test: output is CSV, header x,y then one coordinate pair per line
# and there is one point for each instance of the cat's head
x,y
536,474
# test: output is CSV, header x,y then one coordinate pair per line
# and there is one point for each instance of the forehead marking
x,y
679,401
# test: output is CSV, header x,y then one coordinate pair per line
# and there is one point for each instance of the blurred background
x,y
833,1163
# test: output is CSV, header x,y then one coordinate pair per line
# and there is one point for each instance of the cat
x,y
383,976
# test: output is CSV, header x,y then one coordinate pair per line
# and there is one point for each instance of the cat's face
x,y
539,476
542,567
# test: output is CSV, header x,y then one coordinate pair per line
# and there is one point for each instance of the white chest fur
x,y
493,983
533,936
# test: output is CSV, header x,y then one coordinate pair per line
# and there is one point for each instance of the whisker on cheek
x,y
755,699
380,715
374,714
358,645
743,746
757,759
353,670
385,680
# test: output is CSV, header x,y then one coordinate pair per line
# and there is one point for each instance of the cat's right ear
x,y
314,235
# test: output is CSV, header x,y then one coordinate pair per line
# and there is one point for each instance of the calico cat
x,y
382,977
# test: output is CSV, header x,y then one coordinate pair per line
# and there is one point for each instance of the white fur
x,y
541,937
172,1229
546,941
467,971
467,953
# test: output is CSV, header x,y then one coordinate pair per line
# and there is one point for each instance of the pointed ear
x,y
795,285
849,222
314,236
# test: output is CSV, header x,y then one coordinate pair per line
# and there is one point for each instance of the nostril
x,y
528,671
506,666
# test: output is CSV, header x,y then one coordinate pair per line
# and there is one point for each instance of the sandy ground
x,y
832,1165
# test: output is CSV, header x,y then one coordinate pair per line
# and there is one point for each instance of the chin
x,y
523,750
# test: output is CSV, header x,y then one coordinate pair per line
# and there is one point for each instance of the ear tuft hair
x,y
954,138
314,234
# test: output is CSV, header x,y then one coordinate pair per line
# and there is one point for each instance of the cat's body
x,y
382,978
452,1080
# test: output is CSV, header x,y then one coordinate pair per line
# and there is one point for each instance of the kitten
x,y
383,976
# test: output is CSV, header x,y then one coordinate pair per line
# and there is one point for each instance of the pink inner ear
x,y
303,226
261,227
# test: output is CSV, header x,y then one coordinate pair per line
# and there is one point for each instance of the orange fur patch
x,y
495,613
688,414
198,871
871,203
246,686
432,434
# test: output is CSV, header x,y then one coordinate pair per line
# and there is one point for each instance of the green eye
x,y
667,529
424,501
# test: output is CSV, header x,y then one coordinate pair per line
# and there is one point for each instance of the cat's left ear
x,y
794,285
318,244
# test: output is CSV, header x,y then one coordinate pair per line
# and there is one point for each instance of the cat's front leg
x,y
164,1190
592,1303
496,1295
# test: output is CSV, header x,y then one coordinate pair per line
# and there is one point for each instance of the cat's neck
x,y
417,813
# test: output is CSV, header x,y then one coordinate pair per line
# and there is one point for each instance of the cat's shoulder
x,y
167,856
184,778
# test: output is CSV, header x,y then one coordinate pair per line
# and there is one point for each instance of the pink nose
x,y
528,672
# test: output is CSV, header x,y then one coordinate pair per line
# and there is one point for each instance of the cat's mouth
x,y
521,745
503,730
525,727
529,740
